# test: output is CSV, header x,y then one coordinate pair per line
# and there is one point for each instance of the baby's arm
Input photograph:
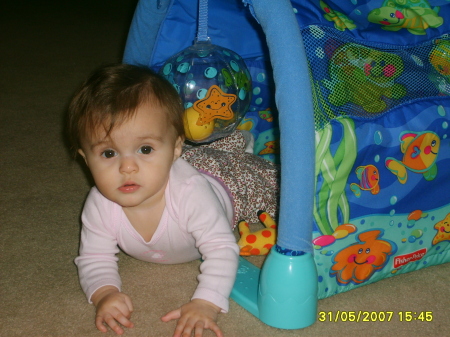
x,y
217,277
97,265
210,225
196,315
112,307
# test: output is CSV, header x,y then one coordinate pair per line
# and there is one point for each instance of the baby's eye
x,y
145,149
109,153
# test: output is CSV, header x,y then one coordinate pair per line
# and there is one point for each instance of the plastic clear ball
x,y
215,87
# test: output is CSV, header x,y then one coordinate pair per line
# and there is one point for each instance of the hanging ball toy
x,y
215,86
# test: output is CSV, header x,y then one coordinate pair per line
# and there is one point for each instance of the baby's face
x,y
131,166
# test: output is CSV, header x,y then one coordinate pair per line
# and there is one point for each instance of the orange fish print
x,y
266,114
271,147
420,150
369,179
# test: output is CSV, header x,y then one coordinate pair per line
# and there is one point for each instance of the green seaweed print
x,y
334,171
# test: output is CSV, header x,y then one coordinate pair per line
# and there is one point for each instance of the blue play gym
x,y
352,99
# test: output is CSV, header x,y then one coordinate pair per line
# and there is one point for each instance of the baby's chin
x,y
129,204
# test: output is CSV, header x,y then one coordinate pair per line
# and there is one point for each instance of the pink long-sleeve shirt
x,y
196,222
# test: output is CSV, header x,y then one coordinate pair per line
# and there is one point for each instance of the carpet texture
x,y
47,49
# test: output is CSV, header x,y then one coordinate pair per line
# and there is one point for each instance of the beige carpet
x,y
47,48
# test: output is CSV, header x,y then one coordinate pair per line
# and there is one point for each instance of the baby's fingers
x,y
174,314
112,322
184,327
199,329
108,319
124,320
99,324
129,305
214,327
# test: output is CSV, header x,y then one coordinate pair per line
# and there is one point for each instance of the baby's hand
x,y
196,315
112,307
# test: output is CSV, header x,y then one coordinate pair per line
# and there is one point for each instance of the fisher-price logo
x,y
401,260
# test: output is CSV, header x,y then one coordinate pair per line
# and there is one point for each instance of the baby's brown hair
x,y
111,96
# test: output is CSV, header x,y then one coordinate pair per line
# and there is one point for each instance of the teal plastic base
x,y
245,290
287,295
283,294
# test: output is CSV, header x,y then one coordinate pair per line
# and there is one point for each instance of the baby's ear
x,y
80,151
178,147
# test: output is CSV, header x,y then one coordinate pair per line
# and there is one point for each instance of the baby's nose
x,y
128,165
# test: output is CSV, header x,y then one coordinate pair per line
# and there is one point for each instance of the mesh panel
x,y
364,81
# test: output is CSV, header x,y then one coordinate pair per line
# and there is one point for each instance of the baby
x,y
127,124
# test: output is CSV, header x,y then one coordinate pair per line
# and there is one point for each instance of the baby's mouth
x,y
129,187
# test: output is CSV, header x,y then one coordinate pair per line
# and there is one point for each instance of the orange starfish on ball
x,y
216,104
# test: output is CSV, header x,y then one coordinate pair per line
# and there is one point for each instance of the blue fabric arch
x,y
294,103
149,44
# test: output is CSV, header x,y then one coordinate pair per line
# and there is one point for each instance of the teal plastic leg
x,y
287,293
